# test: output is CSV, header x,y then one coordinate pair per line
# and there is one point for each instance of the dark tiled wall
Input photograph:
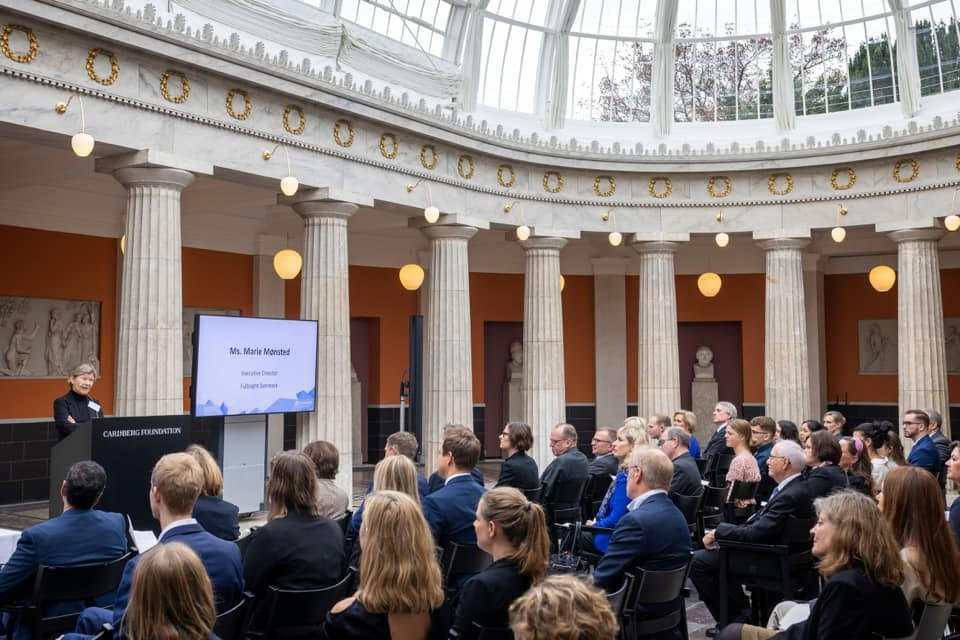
x,y
584,420
25,461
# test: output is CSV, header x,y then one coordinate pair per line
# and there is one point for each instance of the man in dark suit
x,y
78,536
175,484
604,462
437,481
686,474
652,536
451,510
722,413
942,444
790,499
916,426
763,435
564,477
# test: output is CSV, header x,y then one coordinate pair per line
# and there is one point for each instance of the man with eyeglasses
x,y
686,475
916,426
763,432
604,463
564,477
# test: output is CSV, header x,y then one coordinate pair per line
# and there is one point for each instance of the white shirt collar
x,y
636,502
721,426
787,481
456,475
176,523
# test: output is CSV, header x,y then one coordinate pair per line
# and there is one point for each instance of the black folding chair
x,y
297,613
717,467
460,559
230,623
711,509
344,521
533,495
617,599
657,587
593,493
740,491
689,506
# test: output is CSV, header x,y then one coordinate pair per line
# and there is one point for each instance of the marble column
x,y
786,364
150,331
325,297
542,388
921,351
658,362
610,339
447,363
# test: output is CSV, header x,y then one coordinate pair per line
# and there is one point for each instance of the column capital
x,y
176,179
772,244
151,158
323,208
325,194
642,247
547,242
436,231
908,235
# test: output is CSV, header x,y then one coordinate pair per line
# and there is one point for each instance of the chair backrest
x,y
933,621
688,506
533,495
712,499
561,516
617,599
229,624
593,493
461,559
344,521
303,609
493,633
652,587
743,490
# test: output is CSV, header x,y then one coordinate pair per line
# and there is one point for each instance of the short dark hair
x,y
921,414
766,423
85,482
325,457
788,430
825,446
464,446
405,443
520,435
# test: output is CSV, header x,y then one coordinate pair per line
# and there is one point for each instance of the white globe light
x,y
952,222
82,144
882,278
523,232
289,185
709,284
722,239
123,244
411,276
838,234
615,238
287,263
563,283
431,214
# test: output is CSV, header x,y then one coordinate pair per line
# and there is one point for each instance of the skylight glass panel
x,y
616,18
418,23
509,65
609,80
938,50
532,12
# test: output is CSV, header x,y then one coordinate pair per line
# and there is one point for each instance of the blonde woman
x,y
400,587
563,607
215,515
393,473
688,420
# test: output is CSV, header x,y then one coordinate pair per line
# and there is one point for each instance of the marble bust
x,y
515,365
703,368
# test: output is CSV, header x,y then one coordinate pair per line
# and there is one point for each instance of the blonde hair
x,y
292,484
636,436
689,420
524,525
860,536
212,478
562,607
396,473
171,597
179,481
635,421
399,572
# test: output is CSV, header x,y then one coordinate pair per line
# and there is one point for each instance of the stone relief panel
x,y
188,321
878,346
46,337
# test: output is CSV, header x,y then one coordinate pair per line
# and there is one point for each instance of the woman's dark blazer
x,y
356,623
822,481
486,597
217,516
75,406
519,471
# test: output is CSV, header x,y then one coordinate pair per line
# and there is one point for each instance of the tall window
x,y
412,22
513,31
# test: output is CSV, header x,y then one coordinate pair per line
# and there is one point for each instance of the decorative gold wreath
x,y
247,106
302,124
184,89
351,134
390,155
546,182
423,157
728,186
913,164
851,178
513,176
31,53
772,183
652,187
114,66
611,186
466,175
956,162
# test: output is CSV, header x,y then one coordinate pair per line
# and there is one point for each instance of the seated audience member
x,y
614,504
912,506
916,426
399,594
562,607
215,515
859,560
604,462
297,548
393,473
744,466
450,510
823,455
808,428
790,499
518,470
854,463
723,413
514,532
332,501
78,536
953,473
437,481
175,484
564,477
833,421
787,430
653,536
879,439
657,424
686,474
942,444
763,435
688,420
170,597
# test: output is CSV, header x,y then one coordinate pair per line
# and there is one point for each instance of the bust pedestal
x,y
512,400
704,396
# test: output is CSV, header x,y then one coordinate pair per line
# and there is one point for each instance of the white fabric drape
x,y
783,100
358,48
560,67
908,71
472,41
661,90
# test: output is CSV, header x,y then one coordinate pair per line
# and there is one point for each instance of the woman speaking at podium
x,y
76,405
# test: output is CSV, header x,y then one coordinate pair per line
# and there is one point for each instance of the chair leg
x,y
684,632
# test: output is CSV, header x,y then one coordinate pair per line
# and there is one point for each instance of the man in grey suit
x,y
563,479
604,463
686,474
